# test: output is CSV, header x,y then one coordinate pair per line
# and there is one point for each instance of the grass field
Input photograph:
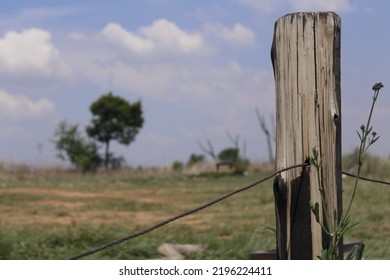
x,y
57,215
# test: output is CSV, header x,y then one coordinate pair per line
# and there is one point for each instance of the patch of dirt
x,y
60,207
198,221
143,196
66,207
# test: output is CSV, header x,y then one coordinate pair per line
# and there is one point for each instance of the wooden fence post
x,y
306,60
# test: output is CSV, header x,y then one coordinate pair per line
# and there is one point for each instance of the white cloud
x,y
117,34
146,66
19,107
168,35
176,81
238,36
30,53
153,80
162,35
321,5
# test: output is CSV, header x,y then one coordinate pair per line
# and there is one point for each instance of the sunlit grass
x,y
55,216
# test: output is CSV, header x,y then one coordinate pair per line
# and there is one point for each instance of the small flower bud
x,y
377,86
363,127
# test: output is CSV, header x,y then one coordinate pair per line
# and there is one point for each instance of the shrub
x,y
229,154
72,146
177,166
194,159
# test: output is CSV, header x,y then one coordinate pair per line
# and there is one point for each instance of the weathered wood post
x,y
306,60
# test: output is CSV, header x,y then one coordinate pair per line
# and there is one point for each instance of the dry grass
x,y
57,214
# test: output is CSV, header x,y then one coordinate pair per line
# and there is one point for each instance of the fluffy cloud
x,y
238,36
194,82
117,34
19,107
30,53
168,35
323,5
160,78
199,83
162,35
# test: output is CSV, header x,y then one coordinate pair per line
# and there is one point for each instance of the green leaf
x,y
316,211
271,229
325,255
374,140
360,137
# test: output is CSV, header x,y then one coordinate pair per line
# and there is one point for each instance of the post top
x,y
317,13
311,13
314,15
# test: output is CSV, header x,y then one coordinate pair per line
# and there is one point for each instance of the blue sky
x,y
200,69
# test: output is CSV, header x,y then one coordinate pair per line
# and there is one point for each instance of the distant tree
x,y
232,155
194,159
229,154
73,147
270,136
114,118
177,166
209,151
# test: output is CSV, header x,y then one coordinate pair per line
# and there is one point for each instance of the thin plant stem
x,y
336,230
362,149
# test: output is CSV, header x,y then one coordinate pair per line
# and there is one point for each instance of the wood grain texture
x,y
306,59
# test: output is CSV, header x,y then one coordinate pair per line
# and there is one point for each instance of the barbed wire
x,y
189,212
366,179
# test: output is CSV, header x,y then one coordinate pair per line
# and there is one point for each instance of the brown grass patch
x,y
62,207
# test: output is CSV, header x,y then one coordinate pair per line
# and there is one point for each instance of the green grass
x,y
55,216
14,199
63,243
371,210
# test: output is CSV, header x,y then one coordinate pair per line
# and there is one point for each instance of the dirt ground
x,y
40,207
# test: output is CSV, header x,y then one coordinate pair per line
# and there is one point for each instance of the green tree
x,y
233,155
72,146
194,159
114,118
229,154
177,166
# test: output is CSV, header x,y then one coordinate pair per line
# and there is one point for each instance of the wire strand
x,y
189,212
366,179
